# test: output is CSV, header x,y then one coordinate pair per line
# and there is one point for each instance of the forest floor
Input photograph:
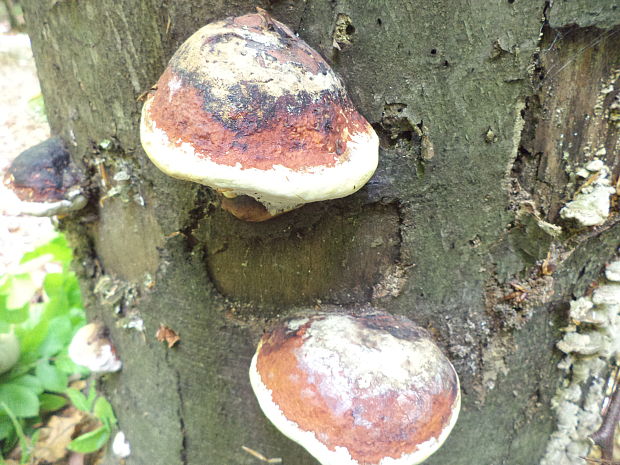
x,y
22,125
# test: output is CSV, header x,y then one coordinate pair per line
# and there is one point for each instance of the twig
x,y
260,456
604,436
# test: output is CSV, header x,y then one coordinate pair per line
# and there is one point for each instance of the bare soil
x,y
22,125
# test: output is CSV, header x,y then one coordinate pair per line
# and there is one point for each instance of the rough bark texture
x,y
440,234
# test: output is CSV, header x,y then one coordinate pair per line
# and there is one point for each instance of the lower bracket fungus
x,y
45,181
369,389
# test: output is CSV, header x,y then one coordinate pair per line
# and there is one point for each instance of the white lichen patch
x,y
591,204
590,343
595,165
607,295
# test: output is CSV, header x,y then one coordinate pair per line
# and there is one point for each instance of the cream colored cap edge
x,y
279,188
340,456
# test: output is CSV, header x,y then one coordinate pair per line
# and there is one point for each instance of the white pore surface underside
x,y
278,188
395,362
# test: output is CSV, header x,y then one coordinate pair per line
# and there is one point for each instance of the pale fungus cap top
x,y
369,389
92,349
248,108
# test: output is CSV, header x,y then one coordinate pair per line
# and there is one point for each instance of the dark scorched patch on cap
x,y
42,173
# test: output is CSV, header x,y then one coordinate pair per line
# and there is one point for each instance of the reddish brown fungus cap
x,y
248,108
370,389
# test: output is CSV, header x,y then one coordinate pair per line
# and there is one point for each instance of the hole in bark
x,y
433,51
396,130
341,258
343,30
379,22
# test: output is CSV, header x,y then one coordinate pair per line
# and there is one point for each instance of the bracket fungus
x,y
249,109
91,347
45,181
370,389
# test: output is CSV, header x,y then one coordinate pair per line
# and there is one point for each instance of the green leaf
x,y
67,366
103,411
77,317
31,382
90,442
78,399
22,401
54,285
92,395
57,248
17,425
13,315
74,294
58,337
51,377
31,336
51,402
6,427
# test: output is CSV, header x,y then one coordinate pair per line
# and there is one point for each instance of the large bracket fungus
x,y
370,389
45,181
249,109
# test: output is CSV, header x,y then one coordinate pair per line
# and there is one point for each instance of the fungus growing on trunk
x,y
249,109
92,348
370,389
45,181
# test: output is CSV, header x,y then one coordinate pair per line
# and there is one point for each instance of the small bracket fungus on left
x,y
45,181
371,389
249,109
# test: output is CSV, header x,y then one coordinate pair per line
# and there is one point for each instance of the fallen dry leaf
x,y
54,438
165,334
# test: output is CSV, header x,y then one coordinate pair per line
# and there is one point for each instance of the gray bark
x,y
475,104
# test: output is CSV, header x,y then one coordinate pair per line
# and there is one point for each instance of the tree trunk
x,y
484,111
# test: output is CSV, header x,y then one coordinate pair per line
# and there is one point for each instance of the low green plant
x,y
44,316
101,409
